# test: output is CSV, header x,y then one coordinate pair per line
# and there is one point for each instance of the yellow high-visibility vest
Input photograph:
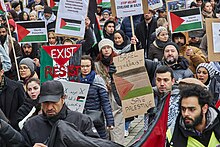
x,y
195,143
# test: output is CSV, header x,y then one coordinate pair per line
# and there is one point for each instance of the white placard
x,y
216,37
71,17
76,95
128,7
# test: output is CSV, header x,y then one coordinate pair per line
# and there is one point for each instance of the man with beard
x,y
144,30
6,44
54,109
172,59
198,123
164,85
49,18
193,54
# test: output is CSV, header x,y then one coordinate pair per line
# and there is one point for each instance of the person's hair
x,y
203,5
32,80
3,26
87,57
21,16
161,22
164,69
204,96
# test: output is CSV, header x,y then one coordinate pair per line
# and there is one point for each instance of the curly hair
x,y
204,96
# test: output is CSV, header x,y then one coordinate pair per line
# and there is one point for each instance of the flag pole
x,y
12,44
132,28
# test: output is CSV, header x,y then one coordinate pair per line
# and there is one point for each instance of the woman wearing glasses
x,y
27,70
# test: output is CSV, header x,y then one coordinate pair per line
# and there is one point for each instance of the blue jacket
x,y
97,99
126,24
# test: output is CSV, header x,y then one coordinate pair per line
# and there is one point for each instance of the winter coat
x,y
12,97
9,137
194,60
180,69
143,33
126,24
97,99
62,130
214,88
180,133
156,50
33,135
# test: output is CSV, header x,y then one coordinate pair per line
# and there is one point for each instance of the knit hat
x,y
29,62
105,42
173,44
208,67
14,4
160,29
106,11
29,44
48,10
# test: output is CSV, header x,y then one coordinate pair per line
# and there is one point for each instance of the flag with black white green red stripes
x,y
32,31
185,20
53,4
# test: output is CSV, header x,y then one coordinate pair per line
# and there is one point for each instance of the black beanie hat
x,y
173,44
48,10
15,4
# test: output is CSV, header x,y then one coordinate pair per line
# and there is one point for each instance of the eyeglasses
x,y
85,66
23,68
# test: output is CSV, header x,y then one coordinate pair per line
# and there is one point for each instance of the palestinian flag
x,y
156,133
185,20
53,4
56,62
106,4
32,31
80,98
70,24
2,7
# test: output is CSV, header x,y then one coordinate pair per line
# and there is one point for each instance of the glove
x,y
112,69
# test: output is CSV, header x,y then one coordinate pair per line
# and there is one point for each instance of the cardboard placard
x,y
132,83
213,38
123,8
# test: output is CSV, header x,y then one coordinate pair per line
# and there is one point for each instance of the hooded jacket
x,y
197,57
180,69
181,133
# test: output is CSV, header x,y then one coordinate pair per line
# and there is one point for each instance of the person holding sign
x,y
122,43
104,67
97,97
144,30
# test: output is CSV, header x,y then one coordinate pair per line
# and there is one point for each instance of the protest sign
x,y
174,5
132,83
71,17
123,8
76,95
185,20
32,31
213,36
154,4
60,62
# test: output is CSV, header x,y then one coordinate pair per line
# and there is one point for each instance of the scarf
x,y
160,44
89,78
207,14
106,61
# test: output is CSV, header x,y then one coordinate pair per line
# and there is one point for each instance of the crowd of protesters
x,y
176,63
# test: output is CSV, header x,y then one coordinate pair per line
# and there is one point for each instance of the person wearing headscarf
x,y
210,77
